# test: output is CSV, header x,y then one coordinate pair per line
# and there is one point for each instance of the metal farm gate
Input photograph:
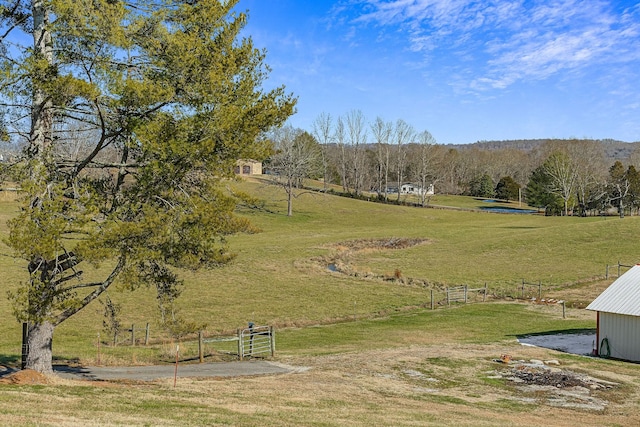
x,y
461,293
256,341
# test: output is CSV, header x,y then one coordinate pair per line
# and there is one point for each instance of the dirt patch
x,y
390,243
536,382
26,377
559,378
339,262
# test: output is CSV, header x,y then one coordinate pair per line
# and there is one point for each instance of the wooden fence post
x,y
133,335
240,344
200,351
431,299
272,335
606,274
522,288
539,290
146,335
484,298
618,268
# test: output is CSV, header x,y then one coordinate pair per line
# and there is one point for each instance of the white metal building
x,y
618,324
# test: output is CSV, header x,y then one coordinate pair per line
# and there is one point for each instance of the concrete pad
x,y
580,343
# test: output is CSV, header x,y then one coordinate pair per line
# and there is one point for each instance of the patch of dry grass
x,y
396,365
422,385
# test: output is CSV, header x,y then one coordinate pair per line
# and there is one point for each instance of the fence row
x,y
620,267
461,294
525,289
131,337
253,341
259,341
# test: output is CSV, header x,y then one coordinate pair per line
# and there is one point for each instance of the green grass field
x,y
345,324
281,275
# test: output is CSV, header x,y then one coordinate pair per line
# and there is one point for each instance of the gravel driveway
x,y
150,373
578,343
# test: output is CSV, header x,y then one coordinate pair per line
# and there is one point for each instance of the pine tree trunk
x,y
39,355
41,111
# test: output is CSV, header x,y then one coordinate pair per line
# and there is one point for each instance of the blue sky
x,y
465,71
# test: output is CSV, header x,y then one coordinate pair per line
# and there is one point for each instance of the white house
x,y
618,317
409,188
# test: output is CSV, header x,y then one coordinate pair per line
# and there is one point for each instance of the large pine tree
x,y
131,114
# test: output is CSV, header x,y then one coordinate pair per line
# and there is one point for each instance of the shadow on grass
x,y
12,360
9,363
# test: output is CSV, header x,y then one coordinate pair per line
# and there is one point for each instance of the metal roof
x,y
622,296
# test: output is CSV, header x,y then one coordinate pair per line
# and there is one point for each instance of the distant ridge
x,y
614,149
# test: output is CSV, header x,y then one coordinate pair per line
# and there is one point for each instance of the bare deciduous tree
x,y
322,132
381,132
339,137
424,160
357,135
403,134
588,160
560,168
297,154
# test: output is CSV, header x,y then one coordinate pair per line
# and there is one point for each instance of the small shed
x,y
248,167
618,317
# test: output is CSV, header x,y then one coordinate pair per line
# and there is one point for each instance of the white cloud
x,y
509,41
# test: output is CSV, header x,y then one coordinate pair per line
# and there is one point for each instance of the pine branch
x,y
93,295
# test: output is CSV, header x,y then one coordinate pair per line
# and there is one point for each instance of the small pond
x,y
504,209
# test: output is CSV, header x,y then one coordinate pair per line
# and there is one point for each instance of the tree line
x,y
559,176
